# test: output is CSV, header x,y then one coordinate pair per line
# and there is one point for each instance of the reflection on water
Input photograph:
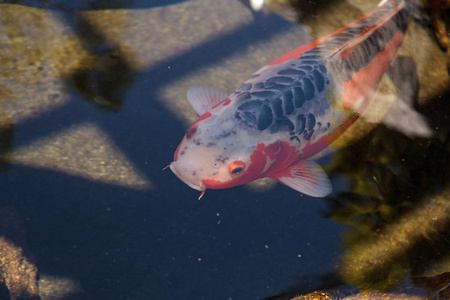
x,y
414,243
397,204
392,191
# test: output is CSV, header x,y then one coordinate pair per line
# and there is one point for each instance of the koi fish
x,y
289,112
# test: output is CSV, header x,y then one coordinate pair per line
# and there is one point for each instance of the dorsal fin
x,y
203,98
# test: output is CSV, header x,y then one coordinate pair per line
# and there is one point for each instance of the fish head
x,y
216,153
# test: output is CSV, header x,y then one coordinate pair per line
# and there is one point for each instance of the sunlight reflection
x,y
56,287
145,38
83,150
31,85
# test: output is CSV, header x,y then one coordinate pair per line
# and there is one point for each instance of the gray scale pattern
x,y
283,101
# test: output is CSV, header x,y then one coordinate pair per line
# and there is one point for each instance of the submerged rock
x,y
18,273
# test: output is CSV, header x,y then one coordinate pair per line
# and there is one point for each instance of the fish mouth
x,y
200,187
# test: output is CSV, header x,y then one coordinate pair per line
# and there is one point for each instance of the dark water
x,y
144,235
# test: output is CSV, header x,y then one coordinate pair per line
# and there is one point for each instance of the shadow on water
x,y
104,74
93,4
93,232
7,133
396,205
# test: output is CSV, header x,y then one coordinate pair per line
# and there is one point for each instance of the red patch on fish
x,y
272,150
258,162
311,149
226,102
366,80
286,154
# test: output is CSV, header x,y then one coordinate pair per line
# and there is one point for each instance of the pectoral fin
x,y
307,177
203,98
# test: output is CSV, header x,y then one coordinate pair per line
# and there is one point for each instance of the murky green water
x,y
92,107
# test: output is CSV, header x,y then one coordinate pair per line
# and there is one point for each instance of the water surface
x,y
92,107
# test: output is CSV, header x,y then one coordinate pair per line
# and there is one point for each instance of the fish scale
x,y
276,104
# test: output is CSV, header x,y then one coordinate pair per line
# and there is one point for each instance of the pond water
x,y
92,108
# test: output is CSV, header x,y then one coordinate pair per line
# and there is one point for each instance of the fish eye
x,y
236,167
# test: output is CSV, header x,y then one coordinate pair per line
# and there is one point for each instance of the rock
x,y
18,273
